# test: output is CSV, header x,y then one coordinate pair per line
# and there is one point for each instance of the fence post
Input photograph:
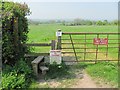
x,y
53,45
59,40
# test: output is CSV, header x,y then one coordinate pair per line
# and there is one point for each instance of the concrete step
x,y
43,69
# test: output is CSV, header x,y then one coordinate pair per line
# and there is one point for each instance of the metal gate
x,y
88,47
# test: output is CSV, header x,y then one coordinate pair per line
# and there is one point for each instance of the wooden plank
x,y
38,44
37,60
44,68
36,54
53,45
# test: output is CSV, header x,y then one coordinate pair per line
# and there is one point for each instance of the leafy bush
x,y
13,81
99,23
14,31
18,76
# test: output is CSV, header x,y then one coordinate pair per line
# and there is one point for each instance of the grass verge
x,y
104,71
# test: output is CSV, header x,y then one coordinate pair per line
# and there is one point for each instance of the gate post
x,y
53,45
58,34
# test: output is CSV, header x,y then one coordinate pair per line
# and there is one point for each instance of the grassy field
x,y
44,33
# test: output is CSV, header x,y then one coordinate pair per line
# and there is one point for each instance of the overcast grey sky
x,y
70,10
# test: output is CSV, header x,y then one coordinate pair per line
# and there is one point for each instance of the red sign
x,y
100,41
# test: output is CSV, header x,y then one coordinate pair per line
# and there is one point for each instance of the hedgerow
x,y
14,31
16,72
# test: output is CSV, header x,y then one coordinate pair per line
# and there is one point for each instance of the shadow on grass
x,y
57,71
64,71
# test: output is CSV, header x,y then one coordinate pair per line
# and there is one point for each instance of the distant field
x,y
44,33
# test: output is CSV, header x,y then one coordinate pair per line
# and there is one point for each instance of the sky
x,y
93,10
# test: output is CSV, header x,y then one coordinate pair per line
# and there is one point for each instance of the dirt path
x,y
88,82
85,82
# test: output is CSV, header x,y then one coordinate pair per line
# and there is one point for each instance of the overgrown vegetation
x,y
14,31
57,71
16,72
18,76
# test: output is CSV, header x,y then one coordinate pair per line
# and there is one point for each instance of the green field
x,y
44,33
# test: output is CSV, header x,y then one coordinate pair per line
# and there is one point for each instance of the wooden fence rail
x,y
32,54
38,44
36,54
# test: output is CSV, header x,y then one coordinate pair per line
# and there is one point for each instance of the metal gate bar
x,y
107,48
91,60
85,48
97,48
89,48
73,47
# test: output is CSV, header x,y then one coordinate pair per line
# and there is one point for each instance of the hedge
x,y
14,31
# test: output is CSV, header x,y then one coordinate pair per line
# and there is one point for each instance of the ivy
x,y
14,15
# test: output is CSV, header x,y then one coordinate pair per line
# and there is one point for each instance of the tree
x,y
99,23
88,22
63,22
115,22
77,21
52,21
105,22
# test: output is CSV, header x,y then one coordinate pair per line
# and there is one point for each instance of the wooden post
x,y
15,28
59,41
53,45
